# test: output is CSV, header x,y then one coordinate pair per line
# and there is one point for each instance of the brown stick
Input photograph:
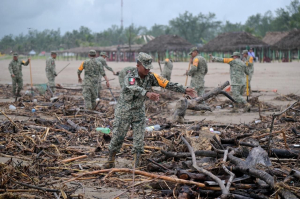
x,y
225,192
72,159
138,172
9,119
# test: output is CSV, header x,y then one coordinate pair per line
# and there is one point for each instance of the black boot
x,y
111,161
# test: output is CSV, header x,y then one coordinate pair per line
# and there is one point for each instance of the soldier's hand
x,y
187,72
191,92
107,84
210,55
29,59
79,80
152,96
12,75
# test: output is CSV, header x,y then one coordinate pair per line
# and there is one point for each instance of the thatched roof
x,y
123,48
273,37
290,41
166,42
232,41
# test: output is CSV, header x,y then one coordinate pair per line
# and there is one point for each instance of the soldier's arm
x,y
131,85
48,66
223,60
25,63
203,64
250,61
10,69
106,66
246,69
194,66
54,69
158,80
79,71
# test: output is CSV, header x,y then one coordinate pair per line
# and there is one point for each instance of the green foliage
x,y
197,29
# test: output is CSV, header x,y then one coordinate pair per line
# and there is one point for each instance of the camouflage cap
x,y
53,52
15,54
145,59
92,52
245,52
193,49
235,54
103,54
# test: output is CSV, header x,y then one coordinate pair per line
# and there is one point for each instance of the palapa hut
x,y
115,53
226,43
289,46
272,38
167,46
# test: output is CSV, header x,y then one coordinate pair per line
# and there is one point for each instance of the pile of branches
x,y
56,152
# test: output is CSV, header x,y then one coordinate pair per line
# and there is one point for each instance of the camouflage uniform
x,y
238,70
250,65
130,109
15,68
167,70
50,72
91,75
198,72
122,75
104,64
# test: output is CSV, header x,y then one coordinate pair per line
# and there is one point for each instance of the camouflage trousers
x,y
120,128
198,84
99,86
237,93
90,95
51,82
17,81
249,79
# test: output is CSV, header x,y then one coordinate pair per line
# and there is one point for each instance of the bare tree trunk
x,y
183,104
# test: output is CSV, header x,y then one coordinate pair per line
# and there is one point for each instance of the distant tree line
x,y
197,29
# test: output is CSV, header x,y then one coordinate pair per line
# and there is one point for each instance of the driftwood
x,y
225,190
138,172
183,104
261,175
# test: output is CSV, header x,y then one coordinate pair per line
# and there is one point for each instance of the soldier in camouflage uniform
x,y
238,69
250,65
198,71
167,70
50,71
101,59
91,75
15,70
130,110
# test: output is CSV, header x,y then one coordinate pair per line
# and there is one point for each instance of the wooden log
x,y
282,153
138,172
284,193
185,175
183,104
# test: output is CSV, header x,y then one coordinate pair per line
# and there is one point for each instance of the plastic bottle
x,y
33,110
12,107
103,130
151,128
218,107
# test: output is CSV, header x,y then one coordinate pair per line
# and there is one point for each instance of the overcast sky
x,y
19,15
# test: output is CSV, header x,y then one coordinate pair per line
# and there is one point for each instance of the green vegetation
x,y
197,29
